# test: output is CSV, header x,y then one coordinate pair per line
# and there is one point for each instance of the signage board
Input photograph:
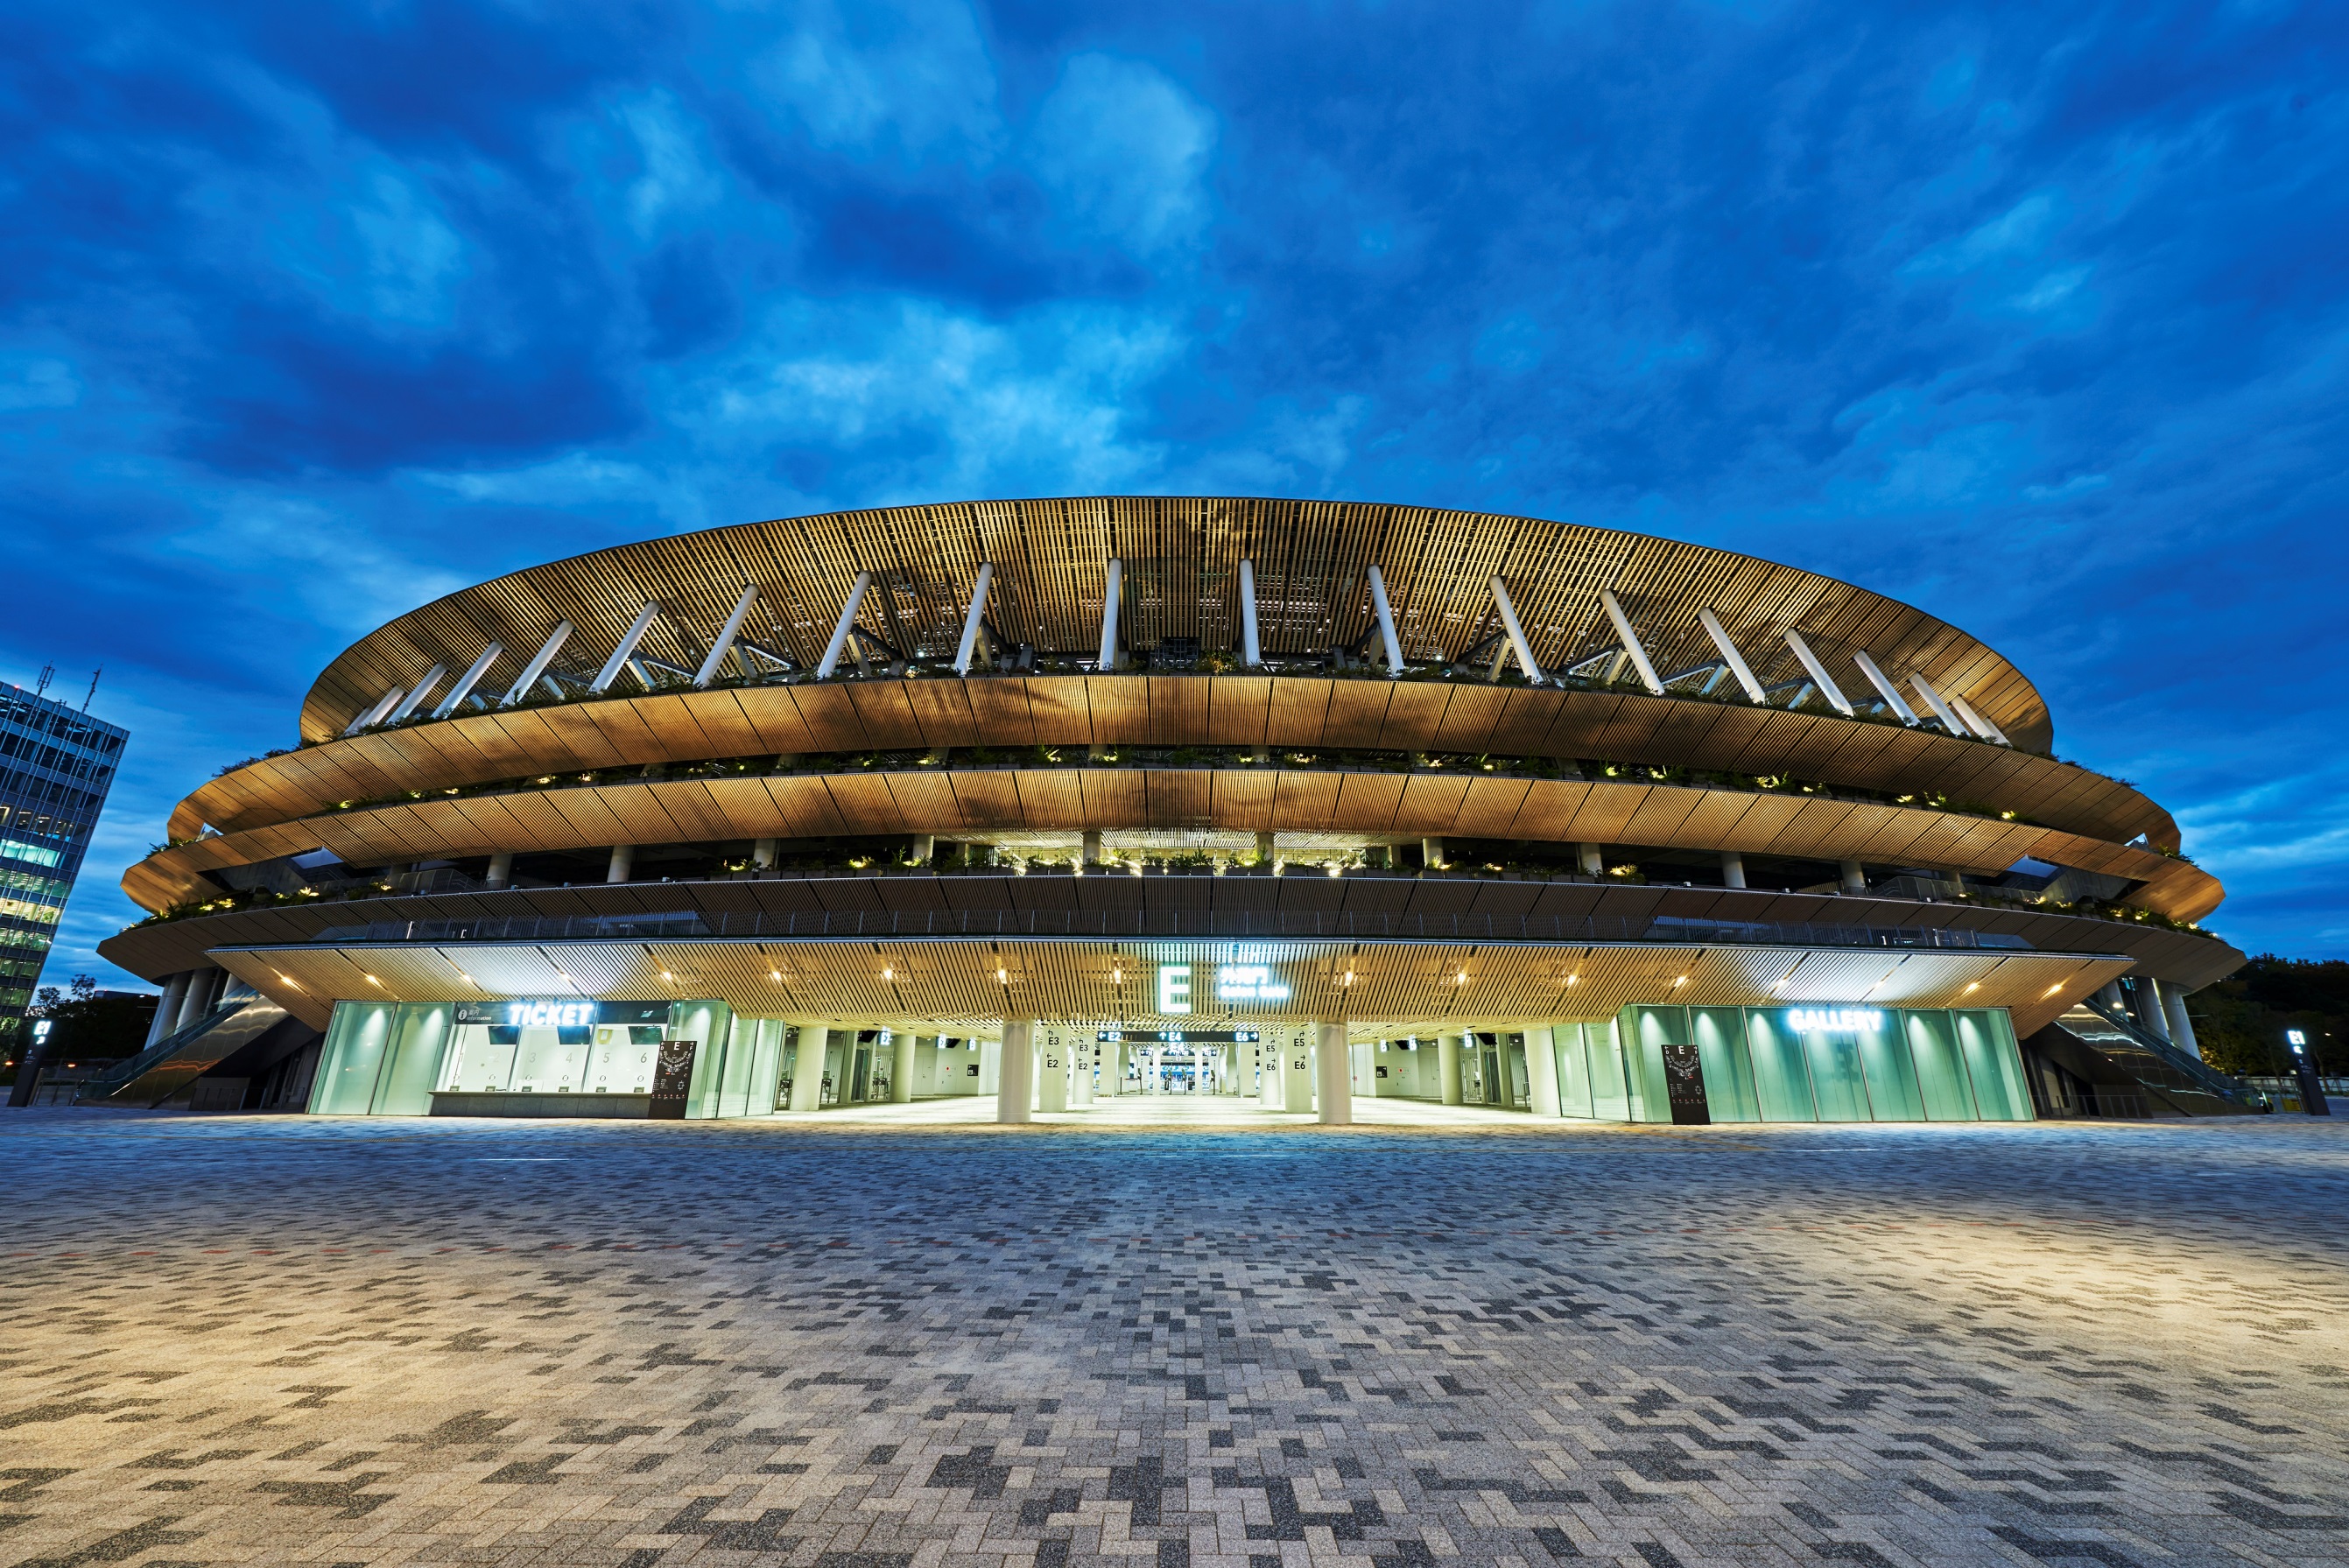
x,y
1833,1020
1249,986
560,1013
1174,988
672,1078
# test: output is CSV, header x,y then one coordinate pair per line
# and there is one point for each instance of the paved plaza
x,y
908,1342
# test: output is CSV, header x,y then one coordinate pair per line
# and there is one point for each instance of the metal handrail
x,y
1158,925
2197,1073
115,1074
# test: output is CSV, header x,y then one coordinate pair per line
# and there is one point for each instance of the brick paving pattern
x,y
843,1346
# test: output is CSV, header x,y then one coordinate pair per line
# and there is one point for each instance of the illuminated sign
x,y
1243,984
1174,988
549,1014
1833,1020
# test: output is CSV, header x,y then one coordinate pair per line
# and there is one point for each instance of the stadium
x,y
1044,807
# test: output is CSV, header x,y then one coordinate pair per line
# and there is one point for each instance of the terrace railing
x,y
688,925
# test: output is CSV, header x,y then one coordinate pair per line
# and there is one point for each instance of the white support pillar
x,y
625,647
1977,723
807,1069
1386,621
1733,869
1251,645
469,680
1447,1068
1631,645
1081,1049
1108,660
1851,876
1594,862
500,869
762,854
415,698
1431,853
167,1009
1884,688
1818,674
1941,710
830,660
1015,1075
2156,1015
1509,623
1052,1072
726,635
968,647
2181,1026
538,663
901,1075
1731,656
622,865
1541,1071
373,713
1333,1073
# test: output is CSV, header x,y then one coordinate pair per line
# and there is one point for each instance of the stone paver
x,y
860,1343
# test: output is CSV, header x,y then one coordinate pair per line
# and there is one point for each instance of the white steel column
x,y
1386,621
1884,688
1731,656
901,1077
167,1008
471,678
500,869
623,864
1594,862
1081,1069
1333,1072
1950,720
2157,1016
830,660
1733,869
2181,1026
762,854
1015,1074
968,646
1852,876
1516,633
538,663
626,646
726,635
1447,1068
1975,721
1818,674
1251,645
415,699
1541,1071
807,1069
1108,660
1631,645
373,713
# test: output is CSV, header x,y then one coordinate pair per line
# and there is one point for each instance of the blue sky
x,y
2030,315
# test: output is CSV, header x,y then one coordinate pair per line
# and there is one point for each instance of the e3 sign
x,y
1174,988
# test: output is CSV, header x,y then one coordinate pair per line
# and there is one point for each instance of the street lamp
x,y
2311,1090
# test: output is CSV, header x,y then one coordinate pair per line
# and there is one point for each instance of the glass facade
x,y
1792,1064
57,765
391,1059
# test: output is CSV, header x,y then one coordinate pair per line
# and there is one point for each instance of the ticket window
x,y
482,1059
552,1061
621,1059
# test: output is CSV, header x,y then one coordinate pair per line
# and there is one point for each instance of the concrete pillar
x,y
1093,850
1296,1073
1052,1063
204,988
1081,1070
922,847
1541,1071
623,861
1333,1072
762,854
1733,869
1447,1068
167,1010
500,869
1015,1073
1270,1080
1594,864
807,1067
1852,878
2153,1014
901,1074
1263,846
2181,1027
1430,853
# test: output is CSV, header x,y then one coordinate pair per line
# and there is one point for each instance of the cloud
x,y
1125,153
